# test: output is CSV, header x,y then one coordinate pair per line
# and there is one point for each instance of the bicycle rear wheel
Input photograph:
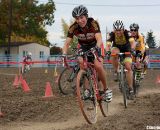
x,y
67,81
88,105
135,84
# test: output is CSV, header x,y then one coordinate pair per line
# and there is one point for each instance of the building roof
x,y
15,44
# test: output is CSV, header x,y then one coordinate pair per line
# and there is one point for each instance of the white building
x,y
19,49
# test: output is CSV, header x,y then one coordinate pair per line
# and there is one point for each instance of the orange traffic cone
x,y
158,79
20,79
48,91
25,86
16,82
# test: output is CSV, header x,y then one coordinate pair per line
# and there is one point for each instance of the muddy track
x,y
29,111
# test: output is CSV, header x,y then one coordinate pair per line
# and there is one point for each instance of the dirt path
x,y
115,113
30,112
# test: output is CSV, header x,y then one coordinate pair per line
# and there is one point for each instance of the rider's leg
x,y
86,83
129,76
101,72
115,50
138,68
145,68
102,76
145,64
81,63
129,73
114,59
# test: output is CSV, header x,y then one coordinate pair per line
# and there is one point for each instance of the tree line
x,y
29,19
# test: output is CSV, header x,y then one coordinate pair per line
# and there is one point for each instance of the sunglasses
x,y
133,30
118,30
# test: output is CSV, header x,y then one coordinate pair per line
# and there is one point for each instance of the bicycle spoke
x,y
65,82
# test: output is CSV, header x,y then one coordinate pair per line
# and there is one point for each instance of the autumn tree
x,y
65,28
29,19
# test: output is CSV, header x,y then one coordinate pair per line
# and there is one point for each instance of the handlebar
x,y
91,51
79,52
121,54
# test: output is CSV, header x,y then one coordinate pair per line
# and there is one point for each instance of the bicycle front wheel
x,y
136,84
103,107
123,86
88,105
67,81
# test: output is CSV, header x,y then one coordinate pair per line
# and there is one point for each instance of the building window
x,y
6,52
41,54
24,53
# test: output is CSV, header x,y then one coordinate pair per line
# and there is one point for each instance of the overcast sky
x,y
106,12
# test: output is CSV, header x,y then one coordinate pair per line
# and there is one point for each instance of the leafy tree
x,y
29,19
55,50
65,28
150,39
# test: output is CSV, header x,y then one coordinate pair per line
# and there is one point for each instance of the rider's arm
x,y
132,42
142,44
70,35
97,32
108,46
109,41
98,37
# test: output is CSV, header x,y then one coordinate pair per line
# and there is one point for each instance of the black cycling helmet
x,y
79,10
118,25
134,26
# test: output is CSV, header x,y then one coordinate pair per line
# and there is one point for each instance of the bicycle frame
x,y
122,76
90,65
89,104
94,77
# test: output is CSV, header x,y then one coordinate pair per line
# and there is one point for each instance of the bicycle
x,y
25,67
67,78
123,85
88,78
137,75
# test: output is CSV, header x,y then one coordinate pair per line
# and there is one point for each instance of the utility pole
x,y
106,33
10,26
9,31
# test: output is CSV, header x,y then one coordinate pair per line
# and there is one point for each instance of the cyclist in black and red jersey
x,y
120,41
88,32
